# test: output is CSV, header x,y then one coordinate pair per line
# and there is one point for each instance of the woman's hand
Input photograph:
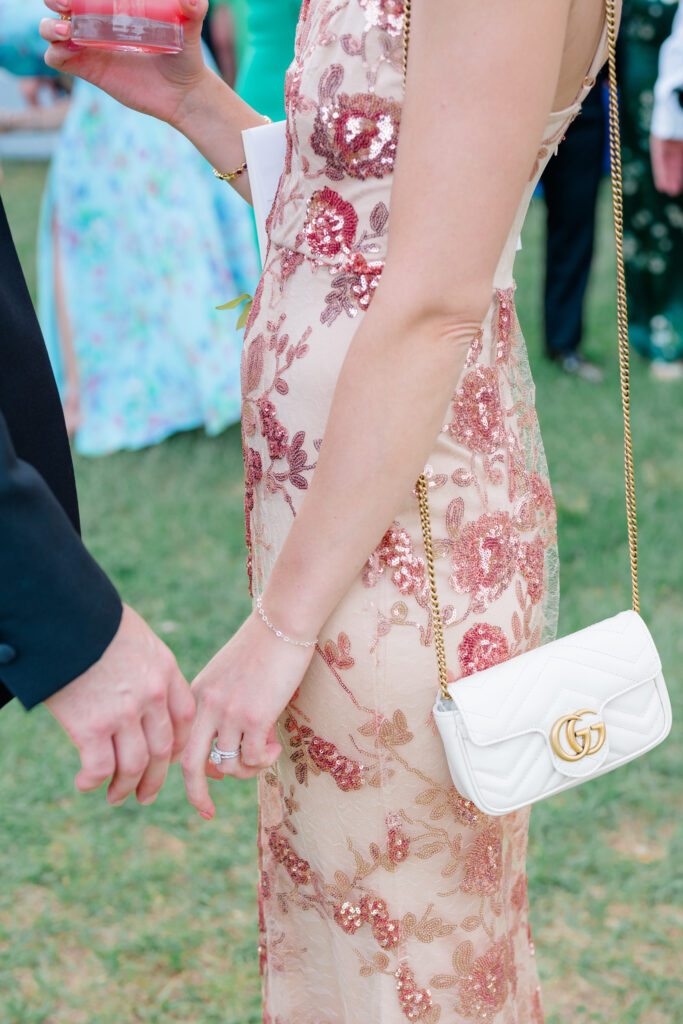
x,y
240,695
153,84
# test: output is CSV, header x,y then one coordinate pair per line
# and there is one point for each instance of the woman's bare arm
x,y
482,79
483,76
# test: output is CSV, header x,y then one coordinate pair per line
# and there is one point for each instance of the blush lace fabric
x,y
384,895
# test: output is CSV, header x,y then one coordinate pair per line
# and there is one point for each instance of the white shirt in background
x,y
667,114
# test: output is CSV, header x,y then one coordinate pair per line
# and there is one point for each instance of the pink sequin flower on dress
x,y
357,135
484,558
384,14
363,277
482,647
331,224
485,988
531,565
478,413
543,499
276,435
395,552
253,472
484,863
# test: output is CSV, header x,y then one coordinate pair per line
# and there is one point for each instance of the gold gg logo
x,y
581,741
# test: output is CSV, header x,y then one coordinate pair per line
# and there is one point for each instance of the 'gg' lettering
x,y
587,739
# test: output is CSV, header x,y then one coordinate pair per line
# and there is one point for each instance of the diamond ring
x,y
217,755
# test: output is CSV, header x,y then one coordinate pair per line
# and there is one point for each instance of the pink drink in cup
x,y
148,26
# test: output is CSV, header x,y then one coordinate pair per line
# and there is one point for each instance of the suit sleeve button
x,y
7,654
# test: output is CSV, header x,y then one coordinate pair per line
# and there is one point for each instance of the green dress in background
x,y
653,222
271,26
239,13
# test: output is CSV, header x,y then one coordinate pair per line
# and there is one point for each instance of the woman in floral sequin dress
x,y
383,336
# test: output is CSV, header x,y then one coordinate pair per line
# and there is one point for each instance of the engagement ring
x,y
217,755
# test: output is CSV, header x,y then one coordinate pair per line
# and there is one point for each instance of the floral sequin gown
x,y
385,896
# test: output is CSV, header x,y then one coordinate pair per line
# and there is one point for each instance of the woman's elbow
x,y
448,314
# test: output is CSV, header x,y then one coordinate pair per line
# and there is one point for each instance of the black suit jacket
x,y
58,610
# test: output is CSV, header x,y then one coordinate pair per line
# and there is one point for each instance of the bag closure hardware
x,y
581,740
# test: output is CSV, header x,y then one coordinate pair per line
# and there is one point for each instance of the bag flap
x,y
579,672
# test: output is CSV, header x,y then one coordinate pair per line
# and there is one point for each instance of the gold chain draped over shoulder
x,y
422,486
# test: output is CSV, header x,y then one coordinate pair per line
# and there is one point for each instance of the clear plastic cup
x,y
148,26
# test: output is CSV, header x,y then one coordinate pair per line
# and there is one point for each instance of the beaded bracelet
x,y
278,632
231,175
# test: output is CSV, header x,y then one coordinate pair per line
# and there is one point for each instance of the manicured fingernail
x,y
206,815
62,28
149,800
117,803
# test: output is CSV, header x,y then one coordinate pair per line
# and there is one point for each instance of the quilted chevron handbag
x,y
582,705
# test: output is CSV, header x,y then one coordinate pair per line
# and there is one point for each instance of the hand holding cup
x,y
153,83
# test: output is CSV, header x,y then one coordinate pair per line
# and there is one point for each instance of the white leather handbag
x,y
556,716
582,705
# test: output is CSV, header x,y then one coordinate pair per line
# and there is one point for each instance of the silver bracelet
x,y
278,632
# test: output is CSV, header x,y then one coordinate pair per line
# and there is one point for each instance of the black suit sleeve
x,y
58,610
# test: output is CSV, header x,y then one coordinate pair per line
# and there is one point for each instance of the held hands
x,y
129,715
132,713
240,696
156,85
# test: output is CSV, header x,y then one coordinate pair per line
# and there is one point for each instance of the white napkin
x,y
264,149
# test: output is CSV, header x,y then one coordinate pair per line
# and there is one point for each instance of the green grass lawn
x,y
148,914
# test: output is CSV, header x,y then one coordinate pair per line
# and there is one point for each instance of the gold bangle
x,y
231,175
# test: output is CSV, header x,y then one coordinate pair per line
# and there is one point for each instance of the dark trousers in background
x,y
570,183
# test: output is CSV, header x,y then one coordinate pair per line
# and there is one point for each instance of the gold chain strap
x,y
406,37
622,312
437,621
622,333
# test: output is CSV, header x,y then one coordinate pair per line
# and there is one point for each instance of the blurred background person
x,y
653,221
570,187
138,244
271,27
33,99
666,130
224,32
44,107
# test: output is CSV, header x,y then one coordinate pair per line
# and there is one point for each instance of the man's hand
x,y
129,715
667,165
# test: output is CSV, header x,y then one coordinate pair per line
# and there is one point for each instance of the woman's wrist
x,y
212,116
293,639
211,111
298,602
197,102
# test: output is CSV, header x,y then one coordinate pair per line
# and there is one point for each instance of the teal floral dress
x,y
149,244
